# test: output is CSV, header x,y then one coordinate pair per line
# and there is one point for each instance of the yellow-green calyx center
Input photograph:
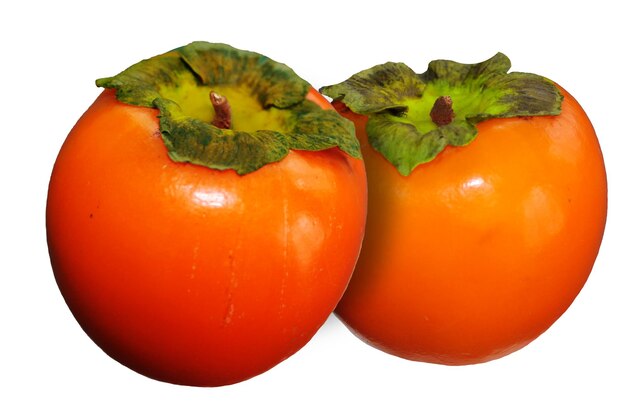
x,y
246,112
225,108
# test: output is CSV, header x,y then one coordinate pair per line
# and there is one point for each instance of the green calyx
x,y
270,113
413,117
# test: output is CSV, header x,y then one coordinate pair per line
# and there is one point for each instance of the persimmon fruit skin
x,y
475,254
192,275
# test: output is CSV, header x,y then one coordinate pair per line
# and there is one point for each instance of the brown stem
x,y
442,112
222,118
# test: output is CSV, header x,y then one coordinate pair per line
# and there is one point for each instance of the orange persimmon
x,y
191,271
475,250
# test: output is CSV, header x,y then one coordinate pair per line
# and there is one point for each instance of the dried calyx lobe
x,y
412,117
156,83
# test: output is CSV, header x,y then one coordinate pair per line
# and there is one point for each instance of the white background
x,y
53,51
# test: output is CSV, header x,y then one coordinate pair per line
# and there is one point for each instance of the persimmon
x,y
205,214
487,206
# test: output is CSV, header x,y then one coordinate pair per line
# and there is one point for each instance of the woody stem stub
x,y
442,113
222,118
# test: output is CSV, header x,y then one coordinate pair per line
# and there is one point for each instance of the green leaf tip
x,y
177,83
404,122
